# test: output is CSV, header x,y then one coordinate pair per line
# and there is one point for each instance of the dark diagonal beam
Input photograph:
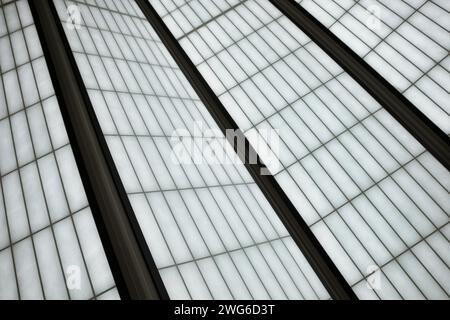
x,y
298,229
411,118
133,268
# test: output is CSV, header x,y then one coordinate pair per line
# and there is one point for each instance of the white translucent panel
x,y
422,278
76,198
268,276
3,109
12,91
41,250
215,279
7,61
324,182
431,261
208,226
198,213
424,201
404,203
2,24
244,211
271,229
195,282
34,48
223,227
22,139
18,47
181,178
174,284
305,268
55,123
12,17
102,112
232,217
366,187
187,225
236,283
28,85
72,260
438,241
383,288
350,243
298,197
151,230
43,81
402,40
53,188
4,232
15,207
8,159
112,294
38,130
394,217
118,114
27,271
53,281
363,292
336,252
143,170
383,230
93,254
403,282
175,239
34,198
284,277
8,289
372,242
123,165
249,275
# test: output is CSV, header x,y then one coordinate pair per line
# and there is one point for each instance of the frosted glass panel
x,y
49,244
369,191
406,41
211,231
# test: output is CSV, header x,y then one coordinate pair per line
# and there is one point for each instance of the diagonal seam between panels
x,y
130,260
408,115
209,21
319,260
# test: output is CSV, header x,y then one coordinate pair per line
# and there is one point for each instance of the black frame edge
x,y
319,260
130,260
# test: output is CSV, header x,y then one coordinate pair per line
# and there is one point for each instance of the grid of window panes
x,y
208,226
406,41
49,245
377,201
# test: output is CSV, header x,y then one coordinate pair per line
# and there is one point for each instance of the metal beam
x,y
133,268
411,118
330,276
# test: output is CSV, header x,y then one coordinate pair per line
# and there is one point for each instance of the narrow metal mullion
x,y
330,276
132,265
411,118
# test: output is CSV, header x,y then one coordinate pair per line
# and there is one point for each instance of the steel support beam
x,y
132,265
330,276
